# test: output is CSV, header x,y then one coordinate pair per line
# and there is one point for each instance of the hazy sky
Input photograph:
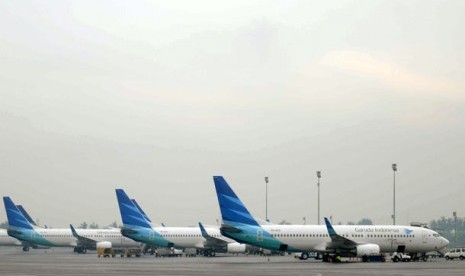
x,y
156,97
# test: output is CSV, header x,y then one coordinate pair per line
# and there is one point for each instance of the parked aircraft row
x,y
239,228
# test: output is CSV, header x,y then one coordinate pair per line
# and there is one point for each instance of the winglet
x,y
130,214
203,231
75,234
330,228
232,208
14,215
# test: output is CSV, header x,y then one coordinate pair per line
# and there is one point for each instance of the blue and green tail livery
x,y
238,223
136,224
233,211
130,214
140,210
15,217
20,227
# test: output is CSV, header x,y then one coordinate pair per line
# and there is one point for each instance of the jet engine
x,y
236,248
103,245
369,249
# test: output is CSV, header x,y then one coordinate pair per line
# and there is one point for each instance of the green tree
x,y
83,225
450,229
4,225
365,221
93,225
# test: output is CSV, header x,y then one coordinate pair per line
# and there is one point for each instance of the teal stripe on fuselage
x,y
29,235
147,236
256,236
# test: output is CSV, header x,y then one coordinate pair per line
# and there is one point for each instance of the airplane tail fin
x,y
130,214
15,217
233,211
140,210
26,215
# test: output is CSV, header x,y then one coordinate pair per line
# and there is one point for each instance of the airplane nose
x,y
444,241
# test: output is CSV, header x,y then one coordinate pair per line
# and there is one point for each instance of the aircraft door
x,y
424,237
151,236
260,235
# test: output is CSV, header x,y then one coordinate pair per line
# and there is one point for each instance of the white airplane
x,y
6,240
81,239
137,226
338,240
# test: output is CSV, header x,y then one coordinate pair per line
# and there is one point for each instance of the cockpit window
x,y
436,235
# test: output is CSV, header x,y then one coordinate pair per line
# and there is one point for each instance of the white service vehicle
x,y
455,253
400,257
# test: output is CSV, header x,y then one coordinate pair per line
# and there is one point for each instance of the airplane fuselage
x,y
64,237
178,237
305,238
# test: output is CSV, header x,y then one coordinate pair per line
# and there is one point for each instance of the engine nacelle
x,y
103,245
369,249
236,248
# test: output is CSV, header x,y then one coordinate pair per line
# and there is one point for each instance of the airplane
x,y
81,239
338,240
137,226
6,240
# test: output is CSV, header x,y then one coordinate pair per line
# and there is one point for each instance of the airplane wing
x,y
338,241
211,241
82,241
347,247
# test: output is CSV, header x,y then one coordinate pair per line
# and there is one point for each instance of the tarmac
x,y
63,261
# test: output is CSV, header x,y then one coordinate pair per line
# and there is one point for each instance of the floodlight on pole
x,y
266,198
394,169
455,228
318,174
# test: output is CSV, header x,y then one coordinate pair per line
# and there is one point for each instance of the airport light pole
x,y
318,174
394,169
455,228
266,198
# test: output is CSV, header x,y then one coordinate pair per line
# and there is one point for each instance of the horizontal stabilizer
x,y
230,229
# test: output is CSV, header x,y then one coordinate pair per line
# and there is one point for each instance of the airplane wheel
x,y
304,256
462,258
84,250
25,248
